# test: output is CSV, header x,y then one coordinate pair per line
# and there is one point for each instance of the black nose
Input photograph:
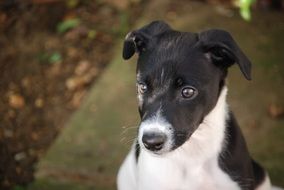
x,y
154,141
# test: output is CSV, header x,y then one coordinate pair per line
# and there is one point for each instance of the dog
x,y
188,138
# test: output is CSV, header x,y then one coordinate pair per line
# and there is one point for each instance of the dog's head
x,y
179,78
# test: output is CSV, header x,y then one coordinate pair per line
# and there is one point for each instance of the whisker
x,y
128,127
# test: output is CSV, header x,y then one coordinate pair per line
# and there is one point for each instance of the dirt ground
x,y
51,52
46,69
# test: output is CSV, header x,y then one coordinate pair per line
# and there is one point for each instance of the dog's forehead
x,y
173,40
173,54
170,48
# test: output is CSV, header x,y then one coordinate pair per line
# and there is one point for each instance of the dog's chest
x,y
170,174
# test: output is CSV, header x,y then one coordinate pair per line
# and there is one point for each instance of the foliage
x,y
45,57
68,24
245,8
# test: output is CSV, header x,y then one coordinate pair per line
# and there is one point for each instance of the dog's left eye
x,y
142,88
188,92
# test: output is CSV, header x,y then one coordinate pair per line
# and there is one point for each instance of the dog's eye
x,y
142,88
188,92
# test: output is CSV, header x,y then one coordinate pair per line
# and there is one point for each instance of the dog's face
x,y
177,86
179,78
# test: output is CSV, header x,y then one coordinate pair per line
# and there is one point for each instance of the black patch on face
x,y
235,159
160,69
180,138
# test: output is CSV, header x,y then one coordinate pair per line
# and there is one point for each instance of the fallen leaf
x,y
82,67
77,82
77,33
39,102
34,136
74,83
16,101
20,156
275,111
26,82
3,17
73,52
77,98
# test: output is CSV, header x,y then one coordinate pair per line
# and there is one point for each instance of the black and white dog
x,y
188,138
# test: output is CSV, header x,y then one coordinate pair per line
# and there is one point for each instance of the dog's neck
x,y
207,141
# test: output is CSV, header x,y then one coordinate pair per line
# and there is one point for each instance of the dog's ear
x,y
224,51
137,41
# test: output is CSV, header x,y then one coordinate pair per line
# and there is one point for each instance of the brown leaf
x,y
16,101
26,82
275,111
34,136
77,98
73,52
39,102
82,67
76,33
74,83
78,82
3,18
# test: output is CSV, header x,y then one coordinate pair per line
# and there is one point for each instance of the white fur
x,y
265,184
157,124
276,188
127,175
193,166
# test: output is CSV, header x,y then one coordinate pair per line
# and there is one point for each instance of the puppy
x,y
188,138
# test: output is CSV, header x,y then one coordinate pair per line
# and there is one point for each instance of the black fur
x,y
137,151
235,159
224,49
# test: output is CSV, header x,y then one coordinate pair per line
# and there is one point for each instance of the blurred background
x,y
68,111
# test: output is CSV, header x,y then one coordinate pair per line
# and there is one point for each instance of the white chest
x,y
193,166
172,174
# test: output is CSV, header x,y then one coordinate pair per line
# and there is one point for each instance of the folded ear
x,y
137,41
224,51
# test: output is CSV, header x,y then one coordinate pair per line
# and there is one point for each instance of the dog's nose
x,y
154,141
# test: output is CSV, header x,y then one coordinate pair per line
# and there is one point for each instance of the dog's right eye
x,y
189,92
142,88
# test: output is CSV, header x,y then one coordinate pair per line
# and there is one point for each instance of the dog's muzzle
x,y
155,135
154,141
